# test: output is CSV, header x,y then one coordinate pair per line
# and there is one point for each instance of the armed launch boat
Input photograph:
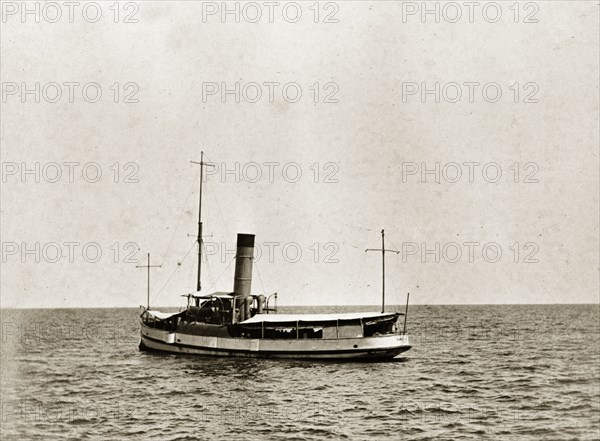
x,y
242,324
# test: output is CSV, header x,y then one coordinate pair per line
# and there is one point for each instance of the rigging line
x,y
370,281
208,160
183,303
395,247
362,262
155,293
211,276
390,274
209,268
397,266
222,272
191,275
180,216
212,190
399,287
260,278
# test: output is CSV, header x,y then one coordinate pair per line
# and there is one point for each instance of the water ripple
x,y
475,372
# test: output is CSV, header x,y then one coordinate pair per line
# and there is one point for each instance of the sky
x,y
470,136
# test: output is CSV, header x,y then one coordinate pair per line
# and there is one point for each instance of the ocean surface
x,y
474,372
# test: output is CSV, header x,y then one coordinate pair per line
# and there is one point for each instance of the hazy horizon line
x,y
319,306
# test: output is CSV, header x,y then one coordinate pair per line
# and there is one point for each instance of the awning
x,y
217,294
281,318
162,315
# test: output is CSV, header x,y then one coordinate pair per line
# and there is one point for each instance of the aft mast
x,y
383,251
148,266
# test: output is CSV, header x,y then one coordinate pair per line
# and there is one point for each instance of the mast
x,y
202,165
148,266
382,271
406,312
198,282
383,251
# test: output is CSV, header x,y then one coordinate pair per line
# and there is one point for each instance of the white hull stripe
x,y
176,347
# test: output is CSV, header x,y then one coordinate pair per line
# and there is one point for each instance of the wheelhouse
x,y
218,308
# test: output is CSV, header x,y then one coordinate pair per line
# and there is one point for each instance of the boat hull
x,y
364,348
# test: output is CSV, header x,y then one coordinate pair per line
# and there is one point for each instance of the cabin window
x,y
380,328
350,331
312,332
330,332
283,332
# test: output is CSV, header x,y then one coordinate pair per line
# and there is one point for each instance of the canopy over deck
x,y
217,294
161,315
319,318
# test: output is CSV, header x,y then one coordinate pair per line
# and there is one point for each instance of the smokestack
x,y
243,271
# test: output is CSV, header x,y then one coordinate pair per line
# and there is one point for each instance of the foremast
x,y
199,237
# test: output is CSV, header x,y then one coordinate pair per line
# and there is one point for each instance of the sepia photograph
x,y
300,220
